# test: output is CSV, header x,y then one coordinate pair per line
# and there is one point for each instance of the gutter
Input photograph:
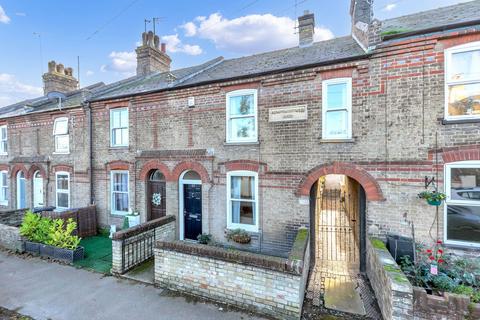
x,y
318,64
430,30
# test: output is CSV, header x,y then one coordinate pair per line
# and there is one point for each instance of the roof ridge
x,y
214,62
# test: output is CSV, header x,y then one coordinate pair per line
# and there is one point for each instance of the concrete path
x,y
45,290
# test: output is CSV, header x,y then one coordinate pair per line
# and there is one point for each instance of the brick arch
x,y
454,154
369,184
118,165
248,165
190,165
154,165
62,168
18,167
33,169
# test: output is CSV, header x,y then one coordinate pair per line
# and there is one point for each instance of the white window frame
x,y
2,150
348,108
239,93
449,201
57,135
448,62
57,191
230,224
4,202
112,128
112,206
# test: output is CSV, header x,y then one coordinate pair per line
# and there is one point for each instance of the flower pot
x,y
46,250
133,221
241,239
434,202
69,255
32,247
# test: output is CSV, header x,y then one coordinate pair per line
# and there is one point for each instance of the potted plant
x,y
204,238
434,198
133,217
239,236
35,230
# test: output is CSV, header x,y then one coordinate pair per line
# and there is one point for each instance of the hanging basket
x,y
434,202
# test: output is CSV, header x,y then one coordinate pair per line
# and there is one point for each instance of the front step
x,y
341,295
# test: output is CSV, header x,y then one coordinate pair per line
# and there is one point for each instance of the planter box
x,y
69,255
133,221
32,247
46,250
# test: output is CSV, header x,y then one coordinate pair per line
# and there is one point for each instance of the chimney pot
x,y
58,78
306,29
151,55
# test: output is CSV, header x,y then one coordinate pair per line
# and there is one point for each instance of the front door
x,y
192,210
37,190
157,199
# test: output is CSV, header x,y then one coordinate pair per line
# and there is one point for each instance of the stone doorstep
x,y
342,296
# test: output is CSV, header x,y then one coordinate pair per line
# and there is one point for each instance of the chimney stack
x,y
361,12
58,78
306,29
151,55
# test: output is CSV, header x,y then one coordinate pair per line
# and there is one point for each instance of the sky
x,y
104,34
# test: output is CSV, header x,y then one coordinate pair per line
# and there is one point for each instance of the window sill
x,y
246,227
459,121
253,143
349,140
60,153
3,154
462,246
117,214
118,148
4,203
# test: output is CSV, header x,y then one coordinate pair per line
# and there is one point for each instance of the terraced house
x,y
386,112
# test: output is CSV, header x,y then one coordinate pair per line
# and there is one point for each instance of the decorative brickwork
x,y
190,165
154,165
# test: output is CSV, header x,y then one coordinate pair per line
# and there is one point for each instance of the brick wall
x,y
265,284
392,289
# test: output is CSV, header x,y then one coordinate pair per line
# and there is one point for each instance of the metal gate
x,y
337,226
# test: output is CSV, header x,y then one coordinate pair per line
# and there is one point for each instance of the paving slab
x,y
145,272
46,290
341,295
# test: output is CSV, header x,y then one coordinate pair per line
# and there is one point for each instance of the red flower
x,y
429,251
431,258
441,261
440,251
439,241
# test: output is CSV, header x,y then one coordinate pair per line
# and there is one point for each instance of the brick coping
x,y
141,228
293,266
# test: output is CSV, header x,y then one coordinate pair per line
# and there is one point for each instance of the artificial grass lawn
x,y
98,254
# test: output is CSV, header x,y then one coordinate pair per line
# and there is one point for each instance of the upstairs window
x,y
462,209
62,138
242,200
4,188
242,116
3,140
462,81
63,190
337,108
119,127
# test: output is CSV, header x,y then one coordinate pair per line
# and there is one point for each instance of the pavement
x,y
46,290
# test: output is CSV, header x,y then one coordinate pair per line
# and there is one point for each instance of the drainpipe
x,y
88,108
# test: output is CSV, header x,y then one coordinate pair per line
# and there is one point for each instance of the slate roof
x,y
455,14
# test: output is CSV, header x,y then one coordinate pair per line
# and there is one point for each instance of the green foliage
x,y
378,244
204,238
443,283
463,289
125,223
239,236
432,195
394,31
48,231
475,298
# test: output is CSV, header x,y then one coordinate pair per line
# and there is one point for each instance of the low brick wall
x,y
449,306
12,217
134,245
10,238
269,285
392,289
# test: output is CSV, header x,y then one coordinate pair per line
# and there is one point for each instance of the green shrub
x,y
35,227
62,236
463,289
475,298
204,238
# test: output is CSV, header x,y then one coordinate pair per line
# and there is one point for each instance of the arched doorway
x,y
156,195
21,190
190,205
37,190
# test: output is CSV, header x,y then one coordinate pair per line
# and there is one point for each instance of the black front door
x,y
192,210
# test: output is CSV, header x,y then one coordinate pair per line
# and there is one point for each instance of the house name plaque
x,y
291,113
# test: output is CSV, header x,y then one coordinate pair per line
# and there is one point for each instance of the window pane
x,y
62,143
3,146
124,118
242,128
241,105
465,65
62,182
4,194
115,118
120,202
61,126
62,200
4,179
4,133
243,212
336,123
464,99
124,136
120,182
463,223
465,184
243,188
337,96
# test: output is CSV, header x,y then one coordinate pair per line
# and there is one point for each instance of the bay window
x,y
242,200
119,127
462,81
60,133
462,205
337,108
119,192
242,116
62,190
